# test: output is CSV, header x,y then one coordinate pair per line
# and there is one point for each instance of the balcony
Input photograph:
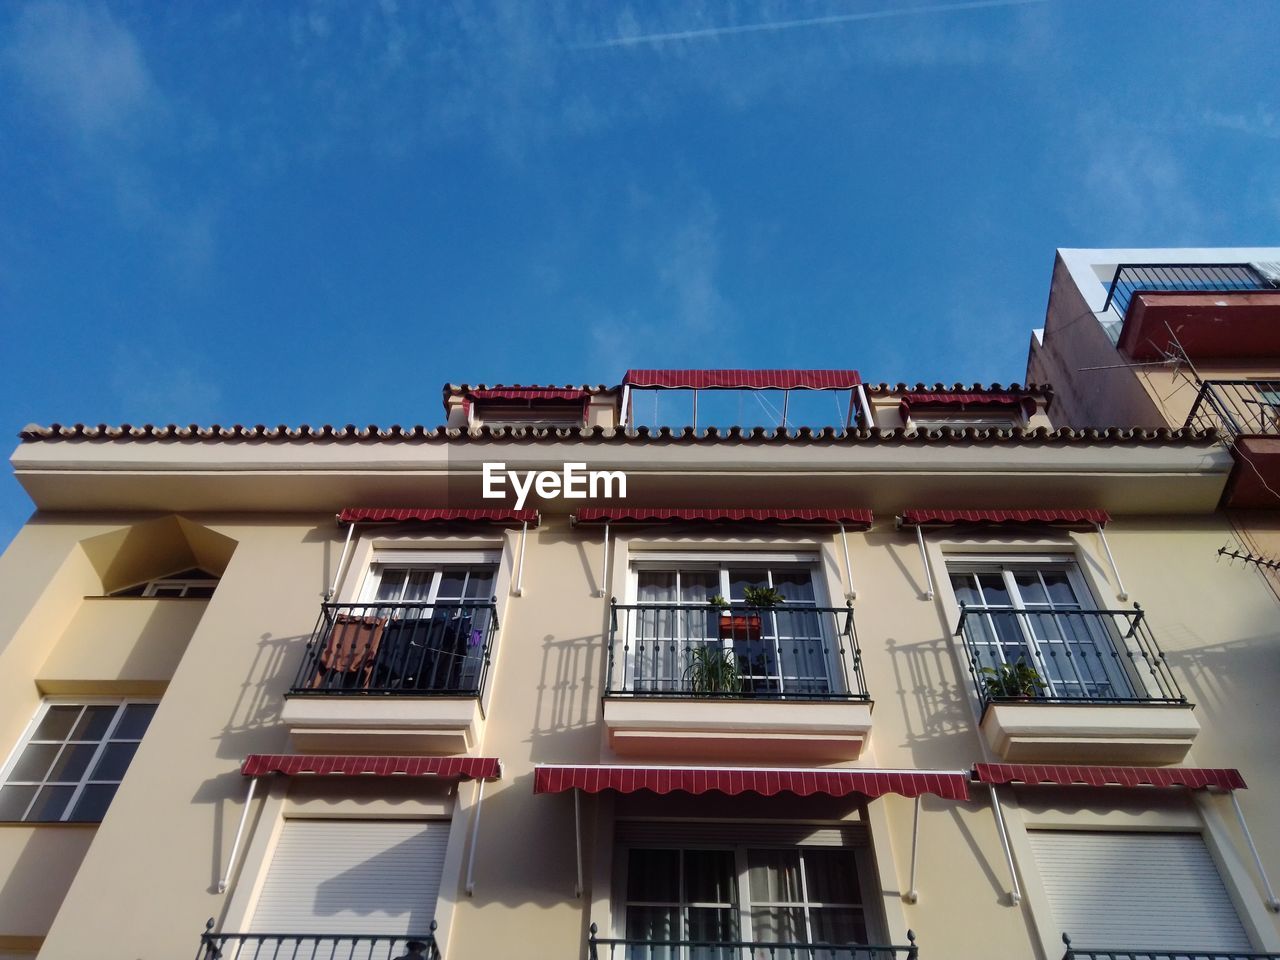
x,y
1248,413
605,949
742,683
309,946
1212,310
393,677
1134,953
1074,685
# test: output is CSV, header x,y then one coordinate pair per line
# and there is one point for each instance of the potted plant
x,y
713,669
763,597
1012,681
721,604
746,625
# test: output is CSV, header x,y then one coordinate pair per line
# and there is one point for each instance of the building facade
x,y
910,672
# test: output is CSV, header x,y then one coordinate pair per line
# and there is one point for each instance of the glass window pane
x,y
94,724
418,585
994,591
838,925
710,876
93,802
57,722
656,586
966,589
778,925
832,877
114,761
391,585
451,584
774,876
698,586
35,761
72,762
653,923
200,591
137,716
51,803
796,586
653,876
1061,592
480,584
739,580
1031,589
14,800
714,924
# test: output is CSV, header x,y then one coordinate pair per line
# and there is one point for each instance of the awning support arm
x,y
924,558
342,562
1121,593
1015,895
577,838
848,569
913,895
524,535
603,589
1273,904
235,844
866,408
475,836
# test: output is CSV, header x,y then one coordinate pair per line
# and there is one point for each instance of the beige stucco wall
x,y
152,868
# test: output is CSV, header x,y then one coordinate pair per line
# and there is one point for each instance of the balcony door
x,y
690,902
784,651
1041,614
435,616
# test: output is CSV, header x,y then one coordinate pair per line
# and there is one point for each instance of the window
x,y
959,420
1150,891
784,650
350,881
545,415
762,890
1040,613
72,762
194,583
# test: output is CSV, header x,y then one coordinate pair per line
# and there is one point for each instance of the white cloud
x,y
83,67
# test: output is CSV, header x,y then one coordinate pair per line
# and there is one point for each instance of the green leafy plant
x,y
1012,680
762,597
713,669
719,602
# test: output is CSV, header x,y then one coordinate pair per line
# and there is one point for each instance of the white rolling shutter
x,y
353,877
1158,891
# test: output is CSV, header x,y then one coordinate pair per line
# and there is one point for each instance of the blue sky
x,y
284,213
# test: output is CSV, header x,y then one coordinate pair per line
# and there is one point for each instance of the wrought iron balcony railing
x,y
1134,278
1113,953
792,651
1235,408
599,948
317,946
399,649
1065,656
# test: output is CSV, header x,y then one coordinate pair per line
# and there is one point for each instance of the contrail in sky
x,y
708,32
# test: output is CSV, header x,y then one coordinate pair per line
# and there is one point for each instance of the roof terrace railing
x,y
1235,408
1134,278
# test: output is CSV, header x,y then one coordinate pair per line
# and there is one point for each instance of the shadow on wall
x,y
1212,676
568,699
156,548
934,699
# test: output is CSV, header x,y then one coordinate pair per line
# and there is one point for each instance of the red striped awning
x,y
1194,778
857,518
744,379
448,768
766,782
510,518
968,401
1061,518
528,393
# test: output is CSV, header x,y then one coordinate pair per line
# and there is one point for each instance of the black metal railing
x,y
1237,408
317,946
1134,278
792,651
403,649
1065,656
599,948
1113,953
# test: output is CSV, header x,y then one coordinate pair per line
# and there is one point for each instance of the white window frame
x,y
678,561
437,561
84,781
861,856
1007,565
183,585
